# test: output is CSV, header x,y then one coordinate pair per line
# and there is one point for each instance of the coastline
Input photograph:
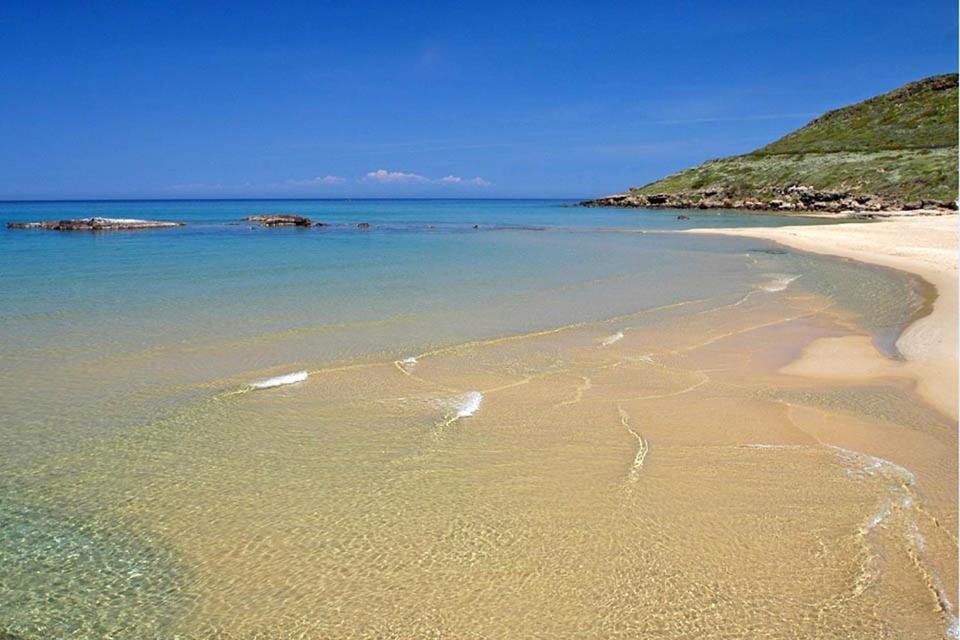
x,y
925,246
478,452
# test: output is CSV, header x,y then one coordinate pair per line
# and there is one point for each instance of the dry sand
x,y
924,246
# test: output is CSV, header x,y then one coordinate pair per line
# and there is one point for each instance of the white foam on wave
x,y
904,482
460,406
642,446
763,445
899,505
467,404
865,464
953,629
609,340
409,362
778,281
878,517
919,544
279,381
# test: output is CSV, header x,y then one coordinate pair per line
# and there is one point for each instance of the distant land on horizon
x,y
895,151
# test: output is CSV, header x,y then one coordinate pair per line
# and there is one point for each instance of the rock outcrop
x,y
95,224
896,151
280,220
797,198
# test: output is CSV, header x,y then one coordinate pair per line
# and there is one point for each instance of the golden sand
x,y
687,479
924,245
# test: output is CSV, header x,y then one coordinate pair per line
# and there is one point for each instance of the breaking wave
x,y
609,340
778,281
279,381
467,404
903,485
461,406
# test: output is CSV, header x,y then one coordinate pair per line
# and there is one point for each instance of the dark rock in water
x,y
363,225
280,220
476,226
321,224
516,227
683,217
95,224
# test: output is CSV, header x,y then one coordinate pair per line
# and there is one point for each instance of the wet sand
x,y
686,468
925,246
655,475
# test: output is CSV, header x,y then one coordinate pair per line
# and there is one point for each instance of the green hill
x,y
897,150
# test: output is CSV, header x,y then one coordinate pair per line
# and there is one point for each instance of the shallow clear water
x,y
409,213
127,324
133,469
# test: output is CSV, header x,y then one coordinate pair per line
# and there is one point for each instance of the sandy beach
x,y
657,444
318,324
922,245
563,472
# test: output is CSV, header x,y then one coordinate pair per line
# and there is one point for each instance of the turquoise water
x,y
125,325
210,215
106,332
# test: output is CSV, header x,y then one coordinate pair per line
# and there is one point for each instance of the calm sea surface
x,y
101,329
102,334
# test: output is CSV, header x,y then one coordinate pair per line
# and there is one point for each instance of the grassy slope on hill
x,y
919,115
901,145
908,175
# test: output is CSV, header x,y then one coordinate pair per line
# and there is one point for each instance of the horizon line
x,y
267,199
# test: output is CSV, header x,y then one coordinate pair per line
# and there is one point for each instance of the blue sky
x,y
314,99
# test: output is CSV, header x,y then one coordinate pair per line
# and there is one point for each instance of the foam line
x,y
905,482
642,447
279,381
462,406
778,281
609,340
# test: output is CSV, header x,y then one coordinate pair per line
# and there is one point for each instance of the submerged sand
x,y
925,246
656,475
690,470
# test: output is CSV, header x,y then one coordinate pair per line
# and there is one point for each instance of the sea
x,y
452,418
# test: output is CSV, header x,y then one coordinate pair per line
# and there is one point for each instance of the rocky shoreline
x,y
794,198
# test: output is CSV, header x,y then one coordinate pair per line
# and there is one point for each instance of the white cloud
x,y
478,181
382,175
318,180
